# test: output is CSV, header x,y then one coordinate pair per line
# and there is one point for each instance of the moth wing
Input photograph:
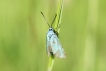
x,y
48,46
56,47
48,43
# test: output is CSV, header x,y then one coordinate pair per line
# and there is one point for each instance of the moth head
x,y
51,29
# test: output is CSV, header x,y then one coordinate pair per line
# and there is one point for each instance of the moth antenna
x,y
54,19
45,19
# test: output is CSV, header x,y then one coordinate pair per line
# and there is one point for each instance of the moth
x,y
53,45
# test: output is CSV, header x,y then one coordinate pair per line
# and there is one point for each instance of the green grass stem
x,y
57,26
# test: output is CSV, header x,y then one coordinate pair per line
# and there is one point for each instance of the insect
x,y
53,45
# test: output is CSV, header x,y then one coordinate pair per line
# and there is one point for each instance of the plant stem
x,y
56,25
51,62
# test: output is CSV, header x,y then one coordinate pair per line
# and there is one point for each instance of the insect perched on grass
x,y
53,46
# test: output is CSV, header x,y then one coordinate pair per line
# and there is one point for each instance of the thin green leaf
x,y
56,25
59,15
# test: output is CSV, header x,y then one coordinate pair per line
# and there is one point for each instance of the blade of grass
x,y
56,25
59,15
51,63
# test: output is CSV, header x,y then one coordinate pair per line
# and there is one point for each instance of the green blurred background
x,y
23,35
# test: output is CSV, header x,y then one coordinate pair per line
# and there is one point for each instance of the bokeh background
x,y
23,35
